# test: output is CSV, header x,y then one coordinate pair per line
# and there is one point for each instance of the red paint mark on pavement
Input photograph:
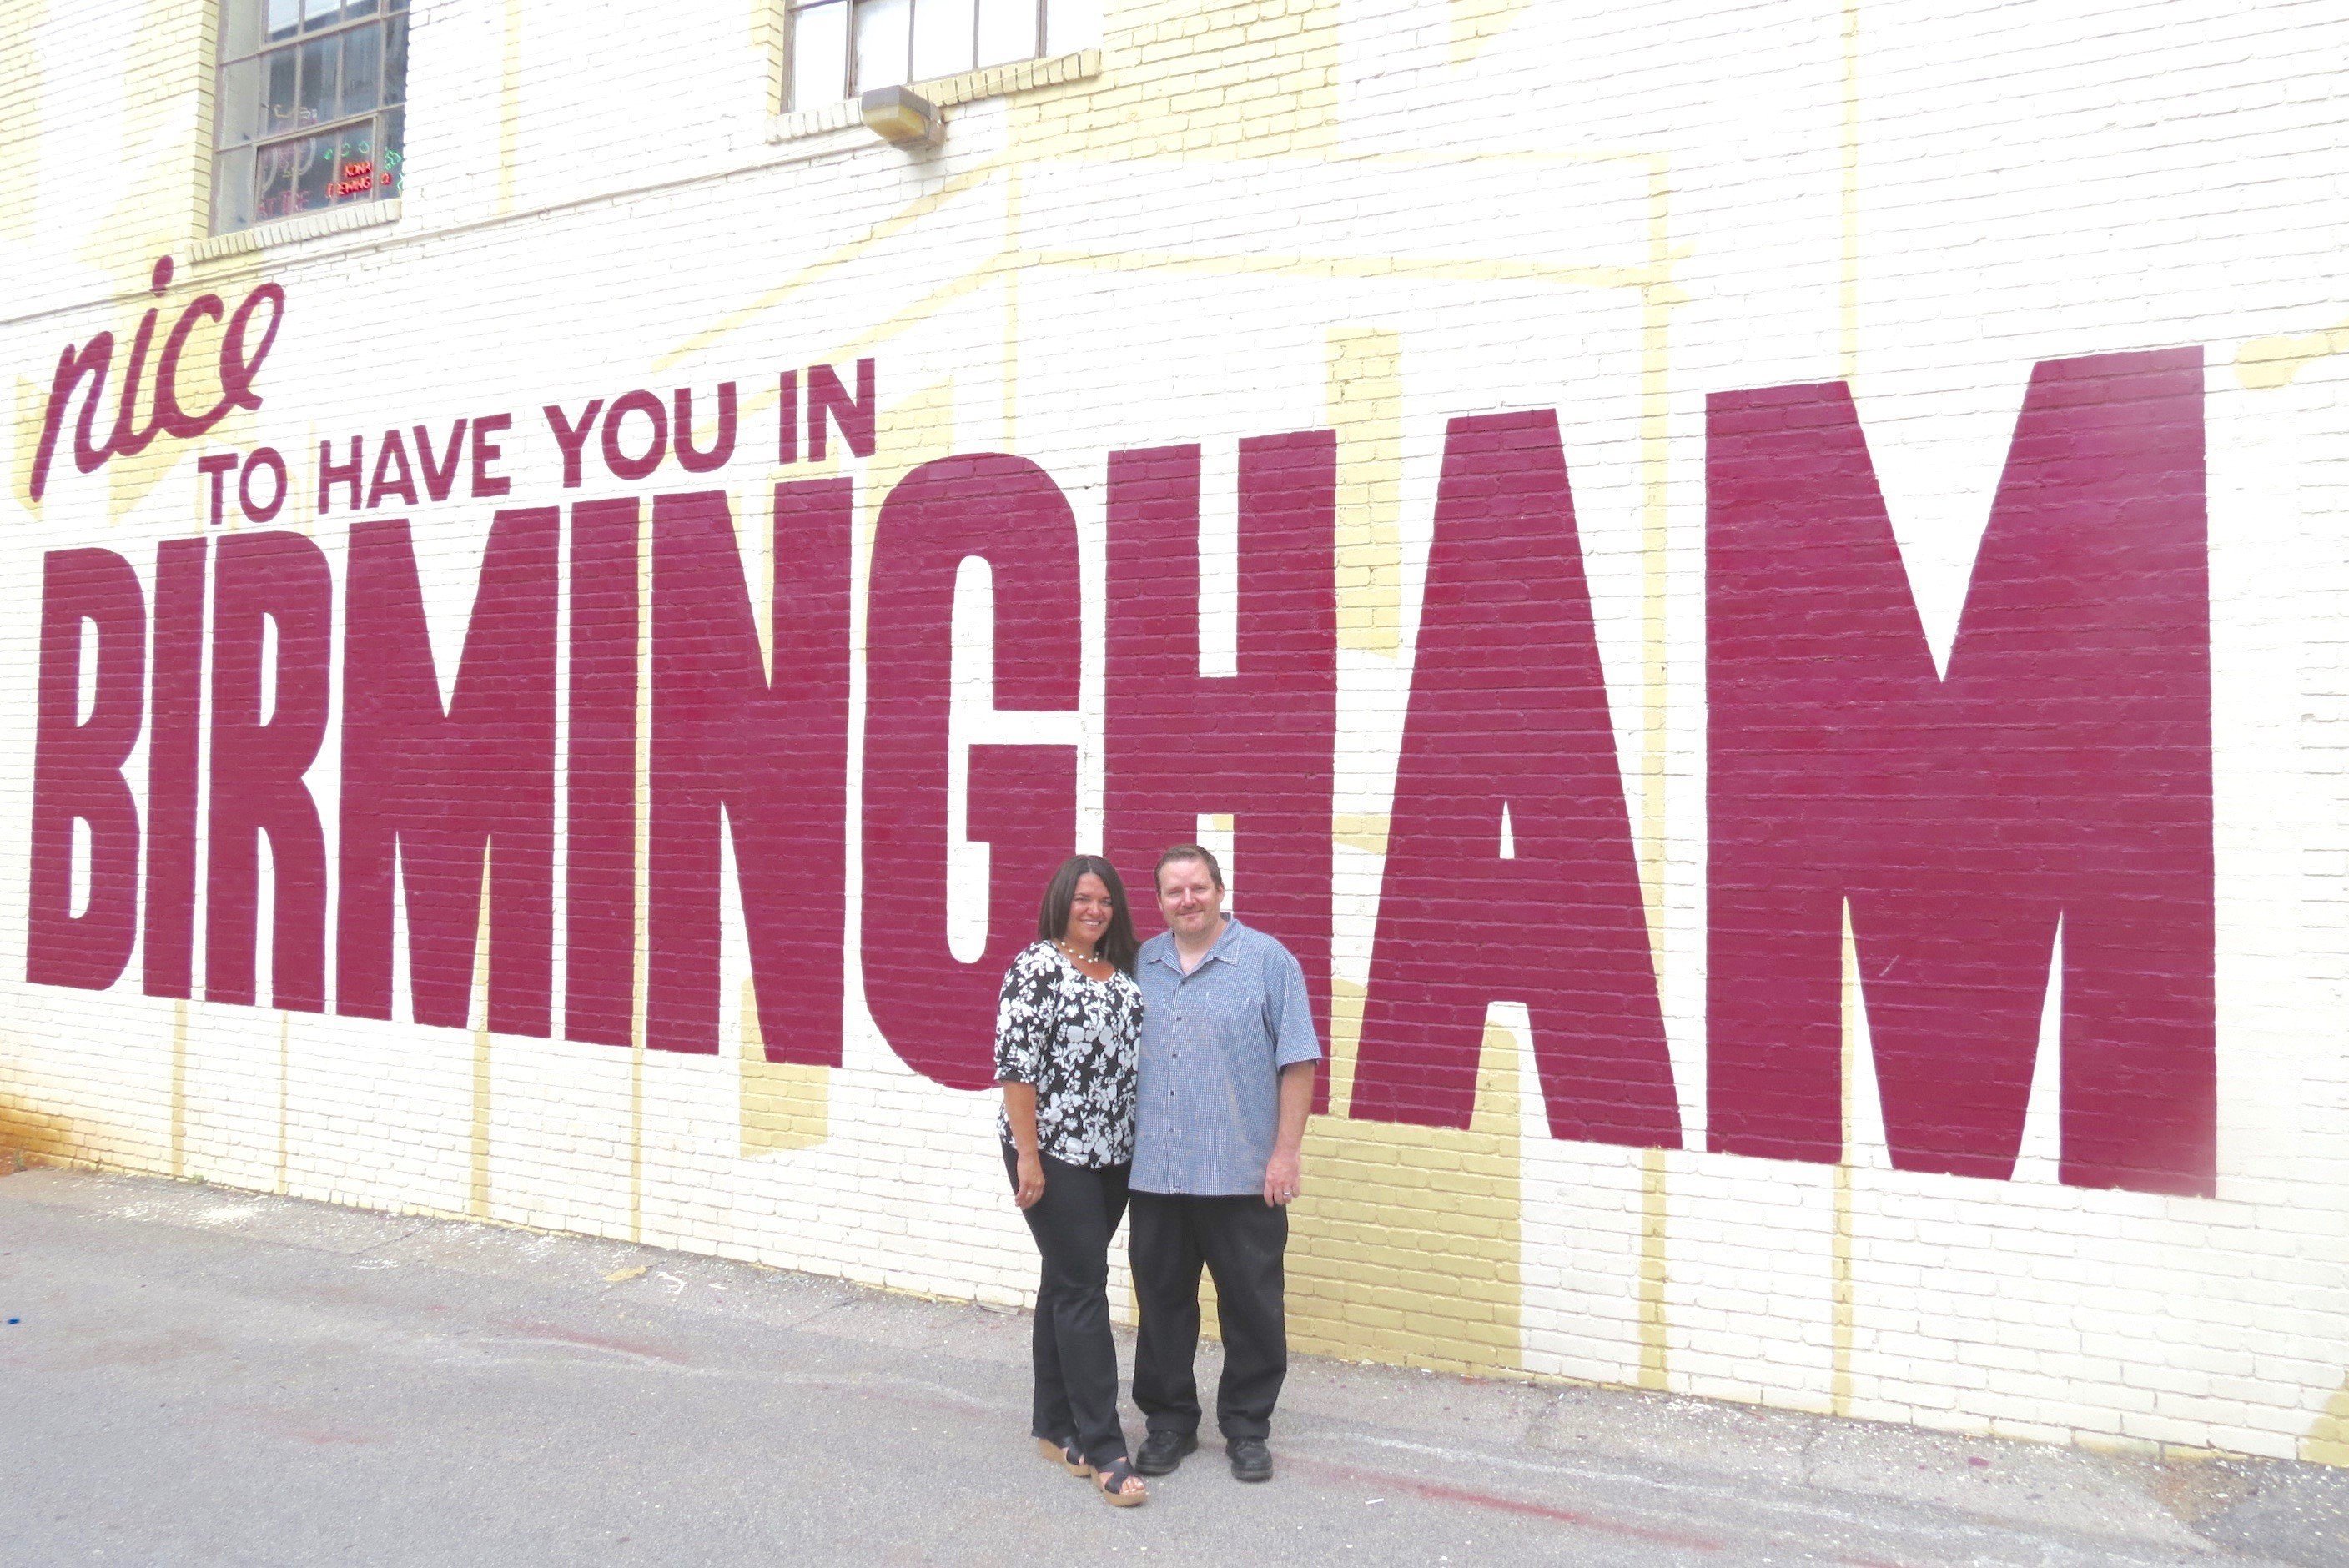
x,y
293,1425
1441,1492
561,1336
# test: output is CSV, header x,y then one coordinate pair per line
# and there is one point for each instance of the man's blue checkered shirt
x,y
1212,1044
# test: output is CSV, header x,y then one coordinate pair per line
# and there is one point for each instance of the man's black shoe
x,y
1163,1450
1251,1461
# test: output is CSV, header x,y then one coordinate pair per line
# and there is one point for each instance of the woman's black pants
x,y
1076,1357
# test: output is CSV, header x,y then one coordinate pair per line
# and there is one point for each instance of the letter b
x,y
77,771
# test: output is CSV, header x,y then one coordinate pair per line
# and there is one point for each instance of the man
x,y
1228,1057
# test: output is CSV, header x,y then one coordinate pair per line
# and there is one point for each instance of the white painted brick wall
x,y
1609,212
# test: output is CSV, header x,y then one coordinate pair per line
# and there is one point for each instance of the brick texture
x,y
1825,878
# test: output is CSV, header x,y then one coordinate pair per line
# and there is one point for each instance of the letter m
x,y
2057,776
436,792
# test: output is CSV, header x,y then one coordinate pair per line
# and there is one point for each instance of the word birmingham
x,y
2059,774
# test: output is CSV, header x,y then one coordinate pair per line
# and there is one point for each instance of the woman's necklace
x,y
1075,957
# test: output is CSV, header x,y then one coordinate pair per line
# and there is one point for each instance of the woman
x,y
1065,1038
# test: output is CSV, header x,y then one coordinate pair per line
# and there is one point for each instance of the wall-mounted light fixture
x,y
902,118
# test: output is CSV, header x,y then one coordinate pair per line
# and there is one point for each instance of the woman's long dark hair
x,y
1118,944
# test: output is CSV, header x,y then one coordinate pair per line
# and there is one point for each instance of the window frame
x,y
388,169
850,61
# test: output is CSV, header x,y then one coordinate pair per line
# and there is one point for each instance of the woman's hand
x,y
1019,1112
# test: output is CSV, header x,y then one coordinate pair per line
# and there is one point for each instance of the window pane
x,y
232,191
319,56
318,14
279,103
820,54
942,46
285,18
388,177
273,182
236,109
1007,31
395,4
353,11
240,28
881,40
355,166
314,171
362,68
395,60
1071,25
393,156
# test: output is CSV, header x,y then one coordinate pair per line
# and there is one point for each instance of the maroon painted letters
x,y
1508,713
279,578
2061,771
85,368
77,771
1258,745
769,753
2058,779
443,791
599,984
173,743
937,1013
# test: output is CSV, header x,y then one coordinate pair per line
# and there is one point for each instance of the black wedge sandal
x,y
1112,1479
1065,1455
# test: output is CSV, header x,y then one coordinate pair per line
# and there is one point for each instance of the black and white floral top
x,y
1075,1039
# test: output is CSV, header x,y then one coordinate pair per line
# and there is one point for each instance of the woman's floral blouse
x,y
1075,1040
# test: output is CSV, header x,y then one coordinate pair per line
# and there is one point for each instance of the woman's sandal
x,y
1065,1455
1112,1479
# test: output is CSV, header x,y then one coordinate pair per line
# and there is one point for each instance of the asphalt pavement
x,y
195,1376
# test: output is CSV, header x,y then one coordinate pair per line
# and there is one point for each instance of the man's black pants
x,y
1240,1240
1074,1353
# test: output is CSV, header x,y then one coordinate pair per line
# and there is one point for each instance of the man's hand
x,y
1280,1173
1280,1178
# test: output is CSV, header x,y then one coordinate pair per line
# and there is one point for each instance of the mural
x,y
1757,602
2054,783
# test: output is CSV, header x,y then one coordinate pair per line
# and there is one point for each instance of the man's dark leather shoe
x,y
1251,1461
1163,1450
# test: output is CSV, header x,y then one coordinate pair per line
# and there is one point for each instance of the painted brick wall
x,y
1549,1153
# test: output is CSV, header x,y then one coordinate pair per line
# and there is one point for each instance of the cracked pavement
x,y
201,1375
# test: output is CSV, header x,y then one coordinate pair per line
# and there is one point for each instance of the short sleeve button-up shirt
x,y
1212,1044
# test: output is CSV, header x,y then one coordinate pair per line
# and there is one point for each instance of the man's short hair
x,y
1188,853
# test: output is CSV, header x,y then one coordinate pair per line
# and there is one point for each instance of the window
x,y
842,47
309,106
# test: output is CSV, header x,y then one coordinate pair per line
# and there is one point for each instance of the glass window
x,y
279,114
313,171
1007,31
843,47
321,68
353,179
395,60
942,37
884,31
362,69
309,109
820,53
240,108
240,28
233,189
